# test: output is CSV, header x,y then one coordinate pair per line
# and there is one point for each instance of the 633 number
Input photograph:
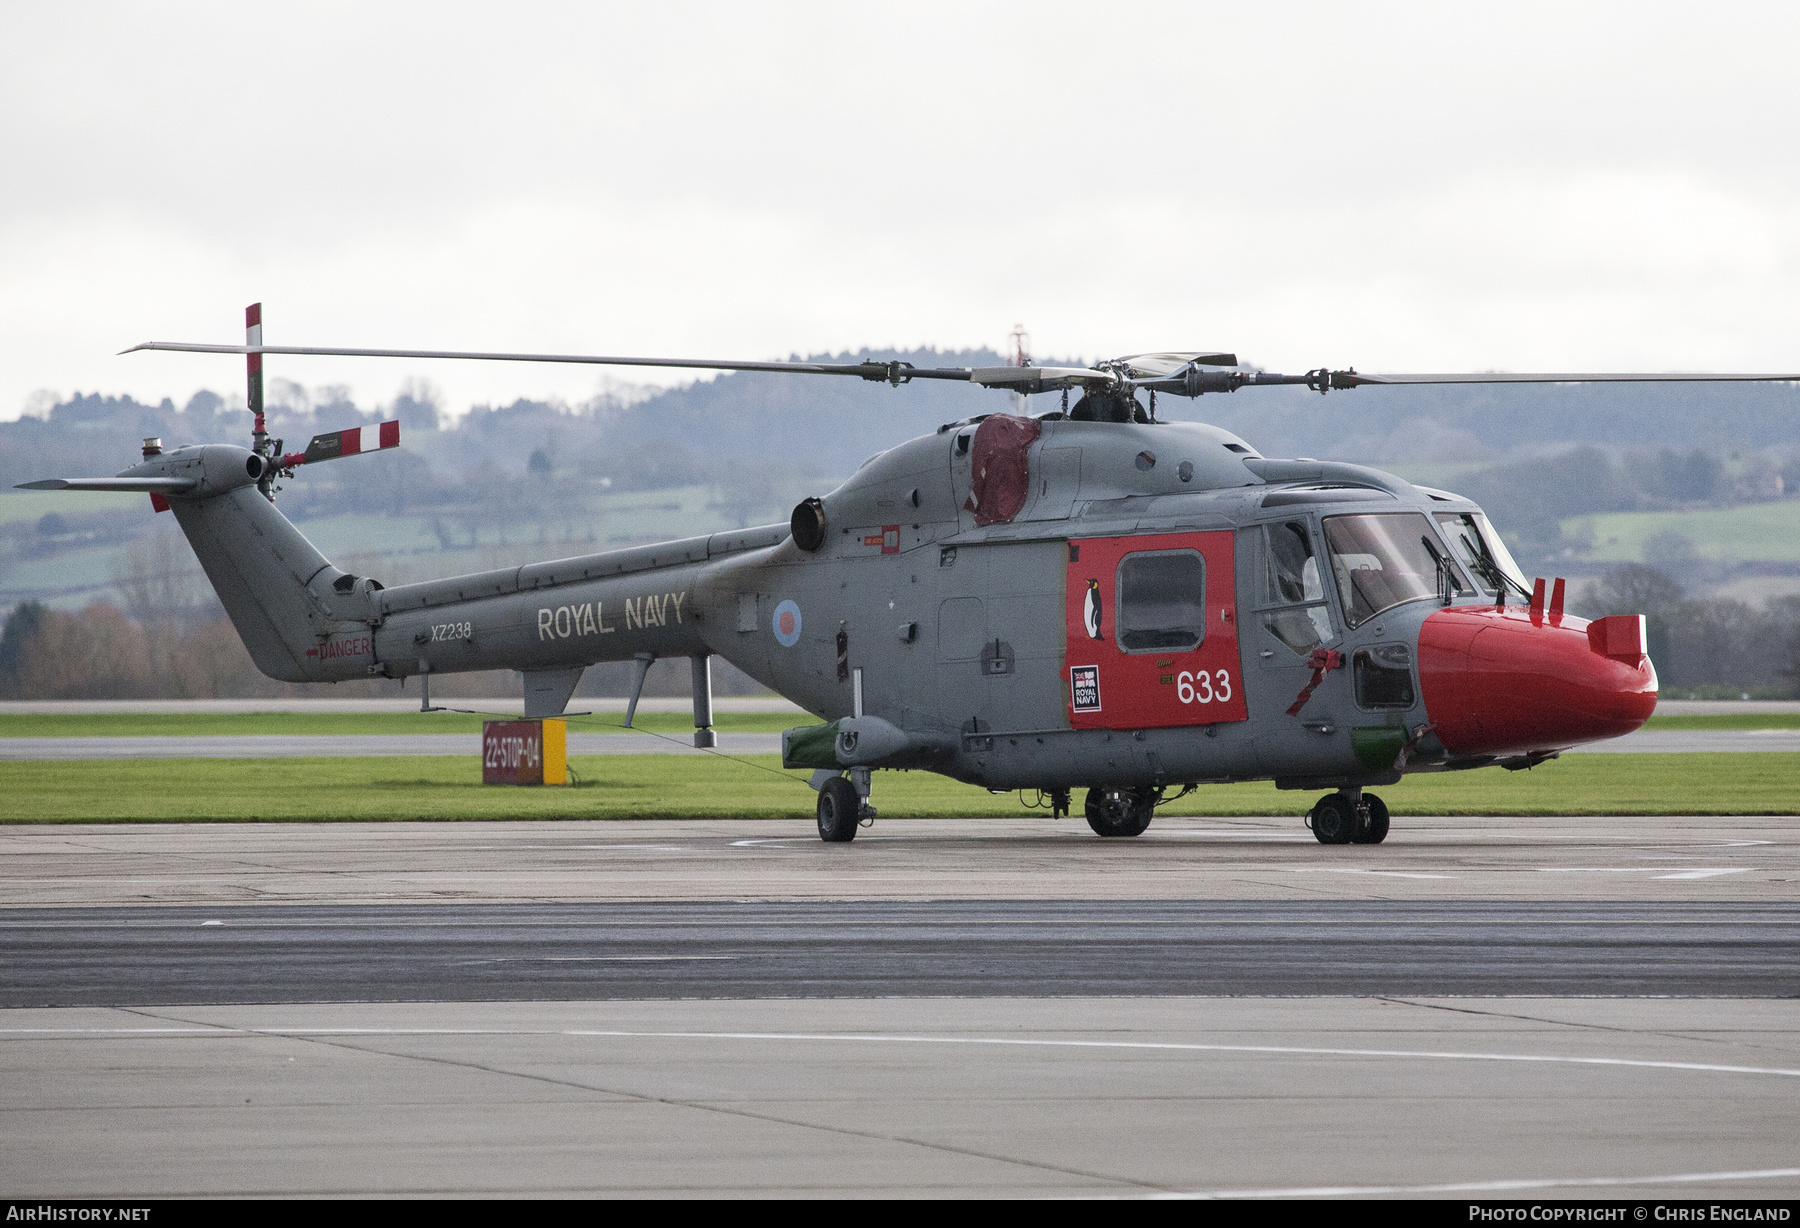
x,y
1201,687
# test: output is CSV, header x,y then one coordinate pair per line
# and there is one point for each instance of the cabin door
x,y
1152,632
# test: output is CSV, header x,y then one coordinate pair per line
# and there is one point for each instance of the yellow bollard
x,y
556,752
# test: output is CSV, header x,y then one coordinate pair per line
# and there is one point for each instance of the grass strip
x,y
671,787
302,724
1729,721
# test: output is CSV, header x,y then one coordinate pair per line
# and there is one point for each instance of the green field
x,y
661,787
1754,532
297,724
400,548
1725,721
31,505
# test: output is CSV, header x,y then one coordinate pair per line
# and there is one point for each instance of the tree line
x,y
1711,647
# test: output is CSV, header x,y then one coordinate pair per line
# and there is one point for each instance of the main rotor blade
x,y
1040,379
1194,381
891,372
1168,362
1146,371
1353,378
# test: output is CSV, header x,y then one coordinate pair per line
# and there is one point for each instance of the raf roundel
x,y
787,624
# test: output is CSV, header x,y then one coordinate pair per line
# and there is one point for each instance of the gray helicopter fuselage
x,y
1027,652
1085,598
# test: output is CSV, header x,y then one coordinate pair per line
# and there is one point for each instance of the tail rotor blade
x,y
352,442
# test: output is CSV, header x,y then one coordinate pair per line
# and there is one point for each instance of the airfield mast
x,y
1021,357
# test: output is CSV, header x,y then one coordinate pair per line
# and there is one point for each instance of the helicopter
x,y
1092,599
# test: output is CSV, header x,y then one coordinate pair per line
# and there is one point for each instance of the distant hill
x,y
829,425
742,447
1482,422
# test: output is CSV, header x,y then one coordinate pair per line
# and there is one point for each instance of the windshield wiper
x,y
1491,571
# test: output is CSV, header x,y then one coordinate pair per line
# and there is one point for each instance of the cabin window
x,y
1292,578
1162,601
1480,549
1382,561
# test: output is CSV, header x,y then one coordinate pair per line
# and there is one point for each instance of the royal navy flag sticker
x,y
1084,688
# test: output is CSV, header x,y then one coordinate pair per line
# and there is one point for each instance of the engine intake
x,y
808,524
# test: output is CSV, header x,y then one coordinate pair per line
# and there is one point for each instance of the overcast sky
x,y
1398,187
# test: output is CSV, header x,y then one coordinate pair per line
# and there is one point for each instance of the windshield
x,y
1381,561
1480,550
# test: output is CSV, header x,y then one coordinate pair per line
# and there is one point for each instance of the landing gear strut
x,y
1121,812
1349,817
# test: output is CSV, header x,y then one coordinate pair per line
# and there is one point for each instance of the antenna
x,y
1021,347
1021,357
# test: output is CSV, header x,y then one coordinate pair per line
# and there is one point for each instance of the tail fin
x,y
301,619
274,584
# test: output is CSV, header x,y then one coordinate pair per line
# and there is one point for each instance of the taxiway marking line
x,y
597,959
575,848
849,922
1383,873
1481,1187
984,1041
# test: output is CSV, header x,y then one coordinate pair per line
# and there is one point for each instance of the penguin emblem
x,y
1091,611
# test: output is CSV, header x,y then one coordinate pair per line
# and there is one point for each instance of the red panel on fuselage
x,y
1109,688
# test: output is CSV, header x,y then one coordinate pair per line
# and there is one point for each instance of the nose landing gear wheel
x,y
1333,819
838,808
1119,812
1375,829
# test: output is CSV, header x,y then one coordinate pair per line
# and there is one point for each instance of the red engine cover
x,y
1506,682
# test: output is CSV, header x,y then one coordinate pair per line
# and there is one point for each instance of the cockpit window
x,y
1293,571
1293,579
1480,549
1381,561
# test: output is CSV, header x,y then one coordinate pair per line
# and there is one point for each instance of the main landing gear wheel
x,y
1338,818
839,806
1374,828
1119,812
1333,819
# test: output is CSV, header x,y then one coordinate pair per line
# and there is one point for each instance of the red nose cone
x,y
1502,682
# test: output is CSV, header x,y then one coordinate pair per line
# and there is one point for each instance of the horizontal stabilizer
x,y
154,486
353,442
